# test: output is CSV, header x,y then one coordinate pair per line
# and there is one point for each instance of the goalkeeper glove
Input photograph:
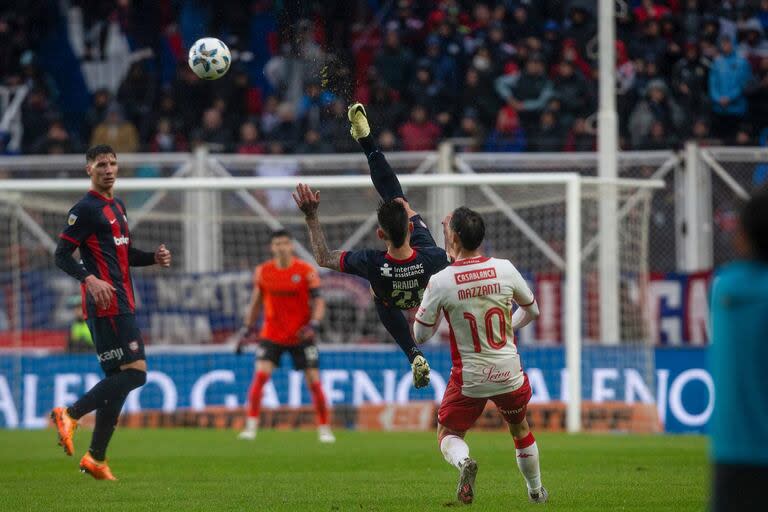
x,y
420,369
309,331
242,339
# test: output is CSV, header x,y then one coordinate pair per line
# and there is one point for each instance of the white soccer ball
x,y
209,58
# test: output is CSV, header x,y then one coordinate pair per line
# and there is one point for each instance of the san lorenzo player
x,y
476,294
288,289
98,226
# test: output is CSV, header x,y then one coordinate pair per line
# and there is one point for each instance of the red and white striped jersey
x,y
476,297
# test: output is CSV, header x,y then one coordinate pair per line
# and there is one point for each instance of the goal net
x,y
216,216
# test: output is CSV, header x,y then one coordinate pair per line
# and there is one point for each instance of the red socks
x,y
254,394
318,399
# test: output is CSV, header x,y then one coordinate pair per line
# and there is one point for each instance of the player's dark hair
x,y
393,220
98,150
279,233
469,226
754,221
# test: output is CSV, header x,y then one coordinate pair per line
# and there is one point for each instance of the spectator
x,y
527,93
313,143
581,137
549,135
581,25
211,133
387,141
137,93
394,62
689,81
312,104
56,141
117,132
470,131
335,128
269,118
658,138
650,10
443,67
96,113
478,93
650,46
655,106
728,78
166,139
573,91
35,115
419,133
385,109
753,45
249,140
424,90
762,14
700,133
287,130
757,94
691,19
507,136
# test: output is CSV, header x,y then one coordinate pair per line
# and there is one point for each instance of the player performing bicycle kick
x,y
397,275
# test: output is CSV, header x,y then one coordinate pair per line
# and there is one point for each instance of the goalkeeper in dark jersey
x,y
398,275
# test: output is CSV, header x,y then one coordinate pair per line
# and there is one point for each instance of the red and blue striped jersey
x,y
98,226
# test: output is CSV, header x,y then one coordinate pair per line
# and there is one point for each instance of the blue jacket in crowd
x,y
728,77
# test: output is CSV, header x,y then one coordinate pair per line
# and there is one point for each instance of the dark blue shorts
x,y
117,340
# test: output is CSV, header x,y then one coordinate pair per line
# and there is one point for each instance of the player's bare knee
x,y
443,431
312,375
265,367
519,430
140,365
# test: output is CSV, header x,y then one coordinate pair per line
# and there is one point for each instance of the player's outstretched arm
x,y
308,202
139,258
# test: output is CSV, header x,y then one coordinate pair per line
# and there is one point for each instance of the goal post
x,y
560,210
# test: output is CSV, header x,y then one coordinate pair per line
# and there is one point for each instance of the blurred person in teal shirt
x,y
739,365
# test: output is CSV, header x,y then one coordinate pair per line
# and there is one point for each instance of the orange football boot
x,y
98,470
65,426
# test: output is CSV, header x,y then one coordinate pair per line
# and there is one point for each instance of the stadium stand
x,y
507,75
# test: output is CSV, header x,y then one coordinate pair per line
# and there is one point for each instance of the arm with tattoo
x,y
324,257
308,202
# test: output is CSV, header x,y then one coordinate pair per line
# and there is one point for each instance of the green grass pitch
x,y
210,470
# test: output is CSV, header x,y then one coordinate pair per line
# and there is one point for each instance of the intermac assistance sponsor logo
x,y
121,240
475,275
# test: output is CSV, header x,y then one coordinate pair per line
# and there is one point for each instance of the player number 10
x,y
489,332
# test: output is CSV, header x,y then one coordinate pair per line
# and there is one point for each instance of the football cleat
x,y
247,435
65,427
465,492
359,121
420,370
98,470
324,434
539,496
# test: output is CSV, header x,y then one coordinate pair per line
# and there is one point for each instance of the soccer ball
x,y
209,58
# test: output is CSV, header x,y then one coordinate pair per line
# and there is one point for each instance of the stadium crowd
x,y
502,75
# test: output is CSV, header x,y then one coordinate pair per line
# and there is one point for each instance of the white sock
x,y
251,424
528,462
454,449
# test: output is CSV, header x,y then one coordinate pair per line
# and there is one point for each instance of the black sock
x,y
106,421
384,178
113,388
368,145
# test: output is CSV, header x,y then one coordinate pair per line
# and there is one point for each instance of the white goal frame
x,y
572,183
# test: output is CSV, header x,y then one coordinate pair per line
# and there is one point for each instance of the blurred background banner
x,y
354,377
